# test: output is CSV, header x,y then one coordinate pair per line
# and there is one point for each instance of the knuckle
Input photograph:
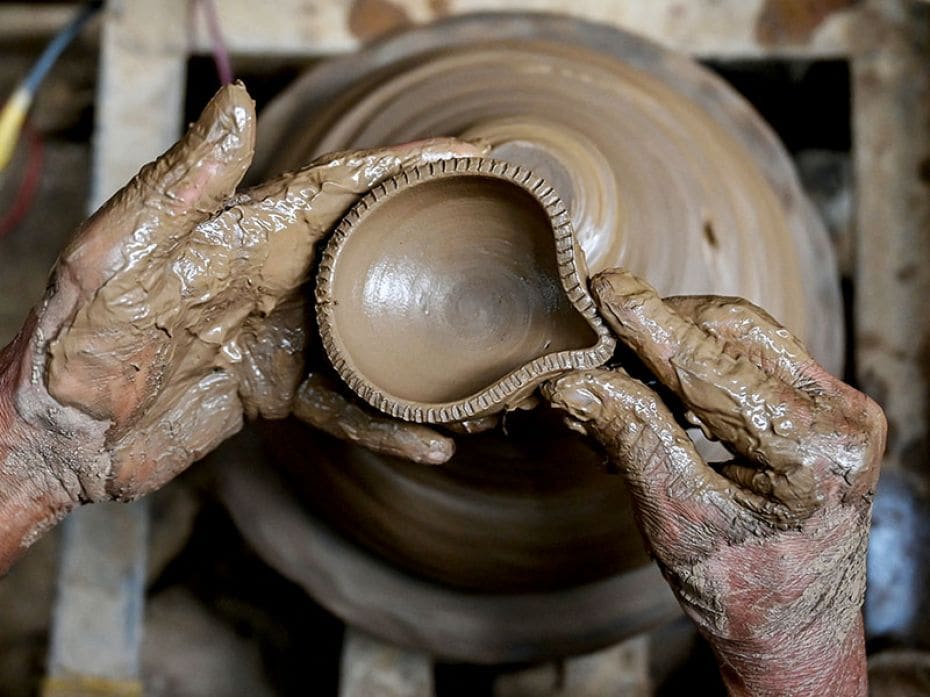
x,y
734,312
855,452
865,424
875,422
875,430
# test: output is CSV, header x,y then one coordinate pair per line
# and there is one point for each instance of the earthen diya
x,y
452,290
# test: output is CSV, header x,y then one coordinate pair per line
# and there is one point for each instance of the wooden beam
x,y
891,124
619,671
97,624
718,28
97,621
28,21
371,667
140,91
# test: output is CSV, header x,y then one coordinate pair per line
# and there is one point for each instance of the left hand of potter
x,y
178,309
766,553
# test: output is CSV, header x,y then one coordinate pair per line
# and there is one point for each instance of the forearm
x,y
822,660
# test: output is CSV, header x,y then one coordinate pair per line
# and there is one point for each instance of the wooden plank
x,y
719,28
891,123
891,113
371,668
618,671
97,622
140,93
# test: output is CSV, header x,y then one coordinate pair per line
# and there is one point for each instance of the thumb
x,y
169,196
628,419
677,497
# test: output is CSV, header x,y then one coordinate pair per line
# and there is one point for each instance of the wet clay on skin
x,y
187,320
731,539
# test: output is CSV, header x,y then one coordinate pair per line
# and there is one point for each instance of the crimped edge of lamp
x,y
516,385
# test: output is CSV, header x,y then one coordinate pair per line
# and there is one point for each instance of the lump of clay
x,y
454,289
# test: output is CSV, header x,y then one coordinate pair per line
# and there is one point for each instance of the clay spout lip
x,y
517,384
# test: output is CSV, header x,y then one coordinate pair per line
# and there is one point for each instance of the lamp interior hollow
x,y
449,285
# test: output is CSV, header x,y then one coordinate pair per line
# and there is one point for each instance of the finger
x,y
170,195
357,171
755,414
267,356
294,211
681,503
660,336
319,405
787,496
852,426
748,331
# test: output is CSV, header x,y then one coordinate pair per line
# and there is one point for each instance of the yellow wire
x,y
84,686
11,122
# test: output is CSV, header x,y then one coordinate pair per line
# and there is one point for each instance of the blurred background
x,y
845,84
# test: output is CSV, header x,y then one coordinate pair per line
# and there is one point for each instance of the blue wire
x,y
58,45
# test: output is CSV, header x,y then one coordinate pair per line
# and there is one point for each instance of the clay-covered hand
x,y
766,553
178,309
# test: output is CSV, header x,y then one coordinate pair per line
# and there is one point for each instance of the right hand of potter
x,y
766,552
178,309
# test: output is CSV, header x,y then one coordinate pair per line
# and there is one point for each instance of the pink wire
x,y
220,52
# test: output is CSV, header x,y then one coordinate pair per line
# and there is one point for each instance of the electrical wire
x,y
59,43
220,51
17,106
28,185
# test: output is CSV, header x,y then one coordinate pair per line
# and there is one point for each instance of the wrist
x,y
824,659
30,501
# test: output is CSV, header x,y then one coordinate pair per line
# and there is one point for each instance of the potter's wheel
x,y
681,182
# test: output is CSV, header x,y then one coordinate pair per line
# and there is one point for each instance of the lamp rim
x,y
514,387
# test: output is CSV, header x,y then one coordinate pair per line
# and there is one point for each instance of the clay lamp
x,y
452,290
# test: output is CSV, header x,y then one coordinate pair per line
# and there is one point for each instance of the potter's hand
x,y
766,553
176,311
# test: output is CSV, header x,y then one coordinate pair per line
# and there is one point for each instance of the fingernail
x,y
617,283
574,396
439,452
226,118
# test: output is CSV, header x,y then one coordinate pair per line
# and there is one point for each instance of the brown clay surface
x,y
451,291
